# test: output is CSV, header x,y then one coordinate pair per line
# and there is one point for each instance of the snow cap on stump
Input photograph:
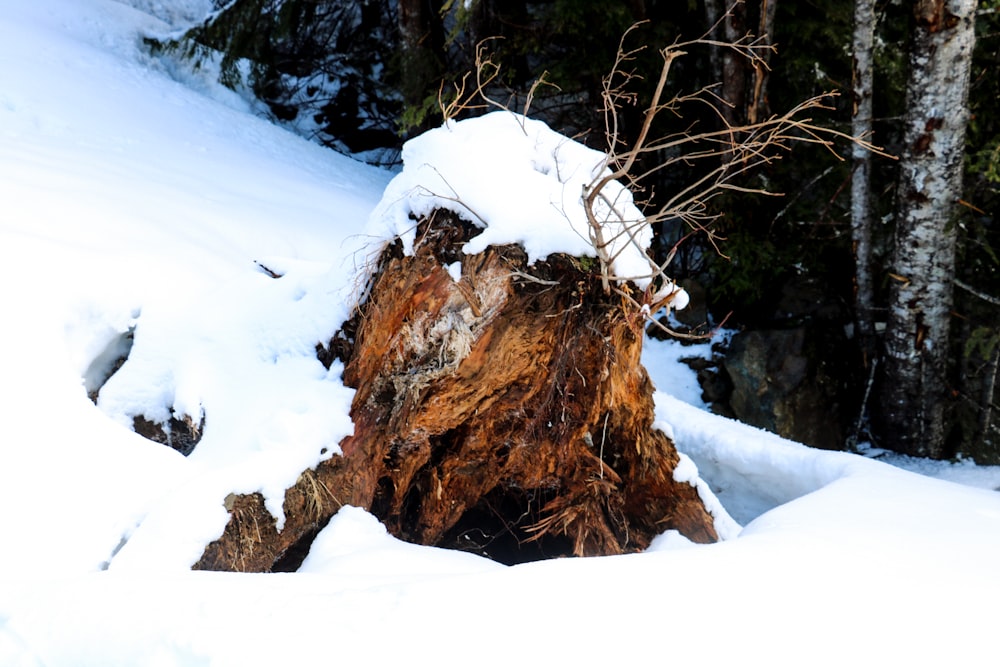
x,y
519,181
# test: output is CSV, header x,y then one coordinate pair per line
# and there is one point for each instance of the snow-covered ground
x,y
135,198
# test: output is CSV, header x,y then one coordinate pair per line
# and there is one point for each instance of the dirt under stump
x,y
506,413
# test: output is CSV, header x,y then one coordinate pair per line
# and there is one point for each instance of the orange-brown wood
x,y
498,404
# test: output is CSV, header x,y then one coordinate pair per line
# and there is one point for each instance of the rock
x,y
181,433
791,382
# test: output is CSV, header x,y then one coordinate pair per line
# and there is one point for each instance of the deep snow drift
x,y
135,197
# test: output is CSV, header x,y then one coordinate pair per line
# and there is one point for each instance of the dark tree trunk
x,y
421,51
713,13
734,67
743,84
506,413
760,105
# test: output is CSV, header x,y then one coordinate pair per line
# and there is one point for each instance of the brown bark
x,y
760,106
734,68
513,397
743,89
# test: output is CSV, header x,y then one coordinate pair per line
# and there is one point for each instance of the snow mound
x,y
354,543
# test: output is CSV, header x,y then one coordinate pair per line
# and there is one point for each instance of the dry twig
x,y
725,155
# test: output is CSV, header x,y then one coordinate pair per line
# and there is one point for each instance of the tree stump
x,y
505,413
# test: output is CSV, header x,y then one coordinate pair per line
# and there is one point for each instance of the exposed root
x,y
500,414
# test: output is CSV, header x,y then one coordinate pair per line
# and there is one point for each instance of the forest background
x,y
362,77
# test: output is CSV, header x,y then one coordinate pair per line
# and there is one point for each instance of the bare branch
x,y
730,154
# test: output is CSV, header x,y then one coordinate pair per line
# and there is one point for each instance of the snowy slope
x,y
132,201
127,197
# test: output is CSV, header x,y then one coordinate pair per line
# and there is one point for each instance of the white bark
x,y
917,337
861,204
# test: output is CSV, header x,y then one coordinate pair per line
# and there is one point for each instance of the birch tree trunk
x,y
984,440
861,205
914,393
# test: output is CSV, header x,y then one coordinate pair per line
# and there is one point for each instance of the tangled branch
x,y
725,156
